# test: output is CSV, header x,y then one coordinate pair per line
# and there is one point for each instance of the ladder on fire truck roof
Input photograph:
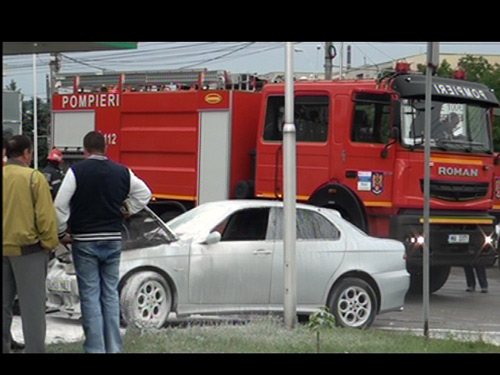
x,y
163,80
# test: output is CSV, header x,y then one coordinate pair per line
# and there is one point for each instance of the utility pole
x,y
341,65
289,197
328,60
349,56
35,116
432,63
55,66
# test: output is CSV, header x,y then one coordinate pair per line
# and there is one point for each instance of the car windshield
x,y
454,126
198,220
145,229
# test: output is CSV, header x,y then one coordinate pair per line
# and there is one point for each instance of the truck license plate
x,y
458,238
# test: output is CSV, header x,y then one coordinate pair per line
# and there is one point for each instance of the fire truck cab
x,y
360,151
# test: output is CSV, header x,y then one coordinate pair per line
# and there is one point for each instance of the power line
x,y
179,57
218,57
144,53
382,52
187,55
83,63
364,54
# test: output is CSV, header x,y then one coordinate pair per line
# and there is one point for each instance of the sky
x,y
234,57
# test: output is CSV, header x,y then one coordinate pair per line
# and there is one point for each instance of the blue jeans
x,y
97,270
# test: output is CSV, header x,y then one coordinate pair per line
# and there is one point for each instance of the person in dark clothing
x,y
89,206
471,279
53,171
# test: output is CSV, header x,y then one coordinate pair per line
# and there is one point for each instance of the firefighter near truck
x,y
201,136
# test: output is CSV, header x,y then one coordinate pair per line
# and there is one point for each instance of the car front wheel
x,y
353,303
145,300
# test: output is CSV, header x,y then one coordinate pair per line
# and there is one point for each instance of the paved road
x,y
453,310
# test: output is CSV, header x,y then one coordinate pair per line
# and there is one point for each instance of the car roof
x,y
254,203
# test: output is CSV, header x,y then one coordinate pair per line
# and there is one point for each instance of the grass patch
x,y
268,334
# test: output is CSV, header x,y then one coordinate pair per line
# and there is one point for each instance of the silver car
x,y
227,257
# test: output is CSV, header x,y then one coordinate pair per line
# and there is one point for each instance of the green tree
x,y
43,123
480,70
445,70
477,67
43,120
12,86
319,321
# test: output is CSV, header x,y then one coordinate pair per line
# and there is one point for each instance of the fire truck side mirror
x,y
395,133
496,161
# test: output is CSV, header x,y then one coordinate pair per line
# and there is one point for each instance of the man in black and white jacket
x,y
89,205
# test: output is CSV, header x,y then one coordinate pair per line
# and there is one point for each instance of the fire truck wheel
x,y
438,275
145,300
353,303
244,189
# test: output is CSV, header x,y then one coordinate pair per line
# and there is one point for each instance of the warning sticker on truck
x,y
364,181
371,181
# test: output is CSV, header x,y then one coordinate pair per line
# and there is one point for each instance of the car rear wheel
x,y
353,303
145,300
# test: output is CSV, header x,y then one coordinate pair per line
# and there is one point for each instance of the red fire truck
x,y
196,137
496,203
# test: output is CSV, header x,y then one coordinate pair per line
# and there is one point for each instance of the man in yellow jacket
x,y
29,234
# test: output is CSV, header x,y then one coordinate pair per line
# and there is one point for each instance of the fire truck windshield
x,y
455,127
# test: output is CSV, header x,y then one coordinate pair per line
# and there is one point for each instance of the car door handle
x,y
262,252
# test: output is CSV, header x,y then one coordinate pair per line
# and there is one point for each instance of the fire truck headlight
x,y
488,240
417,240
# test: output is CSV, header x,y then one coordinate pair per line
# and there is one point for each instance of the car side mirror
x,y
212,238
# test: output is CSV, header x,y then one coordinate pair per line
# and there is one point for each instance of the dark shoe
x,y
470,289
484,290
14,345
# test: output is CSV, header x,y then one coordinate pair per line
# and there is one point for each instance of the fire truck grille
x,y
456,191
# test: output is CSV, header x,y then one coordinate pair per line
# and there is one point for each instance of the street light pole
x,y
432,63
35,116
289,196
328,60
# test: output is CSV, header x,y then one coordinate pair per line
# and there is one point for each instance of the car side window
x,y
245,225
311,225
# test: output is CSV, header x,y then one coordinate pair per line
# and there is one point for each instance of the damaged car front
x,y
62,289
145,238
